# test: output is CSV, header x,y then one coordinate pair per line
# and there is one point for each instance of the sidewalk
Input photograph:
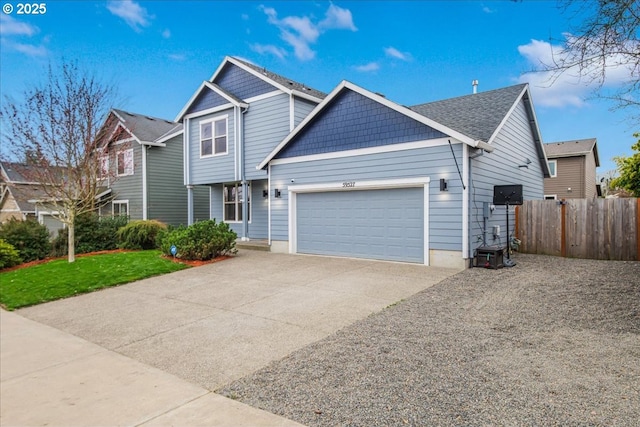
x,y
49,377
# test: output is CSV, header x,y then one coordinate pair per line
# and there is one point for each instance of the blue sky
x,y
158,52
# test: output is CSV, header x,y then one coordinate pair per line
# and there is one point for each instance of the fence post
x,y
638,229
563,228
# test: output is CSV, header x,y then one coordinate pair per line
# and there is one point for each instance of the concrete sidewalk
x,y
49,377
156,349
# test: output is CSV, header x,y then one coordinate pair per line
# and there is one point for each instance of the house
x,y
142,159
20,190
230,124
364,177
572,166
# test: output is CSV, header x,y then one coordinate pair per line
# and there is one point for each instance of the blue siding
x,y
242,84
513,145
445,208
214,169
353,121
205,100
266,124
259,210
301,109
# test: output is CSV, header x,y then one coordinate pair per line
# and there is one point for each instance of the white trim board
x,y
363,185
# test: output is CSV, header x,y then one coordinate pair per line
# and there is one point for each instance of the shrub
x,y
29,238
92,234
203,240
9,256
141,234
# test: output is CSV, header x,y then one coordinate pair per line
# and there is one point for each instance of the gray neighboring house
x,y
142,164
365,177
572,166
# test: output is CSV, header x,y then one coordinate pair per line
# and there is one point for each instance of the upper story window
x,y
553,168
213,137
124,162
104,167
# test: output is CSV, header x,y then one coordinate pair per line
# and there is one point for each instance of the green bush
x,y
92,234
29,238
141,234
203,240
9,256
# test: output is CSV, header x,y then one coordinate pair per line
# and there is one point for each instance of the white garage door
x,y
377,224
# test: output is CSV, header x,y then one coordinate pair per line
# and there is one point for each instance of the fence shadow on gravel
x,y
580,228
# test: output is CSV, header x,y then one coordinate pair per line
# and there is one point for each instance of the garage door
x,y
377,224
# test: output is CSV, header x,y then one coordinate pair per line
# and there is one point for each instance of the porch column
x,y
245,211
189,204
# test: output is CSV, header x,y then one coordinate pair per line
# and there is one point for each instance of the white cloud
x,y
27,49
133,14
392,52
487,9
271,49
177,56
11,27
572,87
368,68
300,32
166,34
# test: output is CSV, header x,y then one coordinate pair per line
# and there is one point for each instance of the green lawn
x,y
60,279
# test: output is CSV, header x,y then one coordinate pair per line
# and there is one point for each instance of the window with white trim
x,y
213,137
104,167
553,168
124,162
120,208
233,200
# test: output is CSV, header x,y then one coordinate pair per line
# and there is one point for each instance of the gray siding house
x,y
142,162
231,123
362,176
572,166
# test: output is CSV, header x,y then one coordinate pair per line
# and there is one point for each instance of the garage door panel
x,y
378,224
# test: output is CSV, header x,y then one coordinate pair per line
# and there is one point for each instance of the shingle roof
x,y
145,128
576,147
284,81
477,115
17,172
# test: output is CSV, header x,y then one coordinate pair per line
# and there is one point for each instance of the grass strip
x,y
60,279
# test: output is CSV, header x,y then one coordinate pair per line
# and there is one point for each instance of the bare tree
x,y
606,39
56,128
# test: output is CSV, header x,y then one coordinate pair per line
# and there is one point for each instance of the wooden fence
x,y
580,228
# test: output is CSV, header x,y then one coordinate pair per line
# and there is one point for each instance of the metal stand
x,y
508,262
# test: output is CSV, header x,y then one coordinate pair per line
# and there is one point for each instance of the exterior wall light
x,y
265,193
443,184
276,193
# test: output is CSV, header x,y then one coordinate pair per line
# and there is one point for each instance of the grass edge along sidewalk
x,y
60,279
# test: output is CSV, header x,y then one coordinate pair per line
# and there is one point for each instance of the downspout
x,y
465,202
145,194
245,184
187,173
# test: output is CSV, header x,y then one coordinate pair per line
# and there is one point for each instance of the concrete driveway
x,y
214,324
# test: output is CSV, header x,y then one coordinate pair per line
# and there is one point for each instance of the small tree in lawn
x,y
55,129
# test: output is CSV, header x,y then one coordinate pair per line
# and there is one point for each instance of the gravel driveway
x,y
551,341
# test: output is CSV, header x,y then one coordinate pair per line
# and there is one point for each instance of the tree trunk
x,y
72,239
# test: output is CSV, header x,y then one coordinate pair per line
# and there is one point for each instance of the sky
x,y
157,53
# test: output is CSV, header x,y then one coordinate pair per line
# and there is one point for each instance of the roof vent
x,y
474,83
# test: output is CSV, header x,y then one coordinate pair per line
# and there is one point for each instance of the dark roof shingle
x,y
145,128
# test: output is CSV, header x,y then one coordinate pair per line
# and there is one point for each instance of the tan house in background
x,y
572,166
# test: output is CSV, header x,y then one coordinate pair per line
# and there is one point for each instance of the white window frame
x,y
128,163
550,197
212,122
119,202
555,168
237,203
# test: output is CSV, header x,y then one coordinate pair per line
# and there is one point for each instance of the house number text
x,y
348,184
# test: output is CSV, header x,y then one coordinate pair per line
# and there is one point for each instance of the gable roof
x,y
144,129
281,82
479,115
572,148
228,96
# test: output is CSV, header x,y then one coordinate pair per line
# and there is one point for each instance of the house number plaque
x,y
348,184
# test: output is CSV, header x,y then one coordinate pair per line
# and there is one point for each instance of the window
x,y
553,168
120,208
124,162
233,200
213,137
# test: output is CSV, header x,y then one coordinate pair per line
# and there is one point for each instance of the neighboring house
x,y
142,162
19,193
572,167
231,123
364,177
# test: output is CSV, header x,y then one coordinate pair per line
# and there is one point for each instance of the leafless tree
x,y
606,38
55,128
